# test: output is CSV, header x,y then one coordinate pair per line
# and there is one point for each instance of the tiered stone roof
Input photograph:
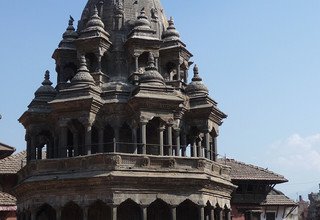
x,y
248,172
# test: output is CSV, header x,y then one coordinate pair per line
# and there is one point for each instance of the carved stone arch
x,y
159,210
129,210
208,209
217,211
68,71
92,62
187,210
46,212
99,211
71,211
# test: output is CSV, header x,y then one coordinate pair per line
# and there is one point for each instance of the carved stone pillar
x,y
101,138
85,213
170,139
144,213
136,58
116,138
114,213
228,214
144,136
33,148
177,147
184,145
201,213
200,149
88,142
194,148
161,130
208,147
173,213
212,213
33,214
63,142
214,149
58,213
134,140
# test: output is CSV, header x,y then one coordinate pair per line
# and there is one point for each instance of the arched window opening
x,y
143,62
69,71
94,140
71,211
125,139
129,210
187,211
159,210
75,142
192,139
153,136
46,212
217,212
44,145
92,62
171,72
108,136
208,209
99,211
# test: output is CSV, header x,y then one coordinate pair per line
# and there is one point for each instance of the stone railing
x,y
118,161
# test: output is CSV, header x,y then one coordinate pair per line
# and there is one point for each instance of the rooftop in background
x,y
13,163
6,150
6,200
248,172
275,198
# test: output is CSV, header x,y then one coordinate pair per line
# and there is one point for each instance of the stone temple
x,y
123,135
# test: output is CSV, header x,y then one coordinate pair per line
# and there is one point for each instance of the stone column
x,y
178,71
117,138
228,214
58,213
161,130
136,57
33,214
88,142
214,149
184,145
85,213
194,148
201,213
144,213
134,140
144,136
200,149
76,144
101,138
33,149
220,214
212,213
170,139
208,147
173,213
178,146
114,212
63,142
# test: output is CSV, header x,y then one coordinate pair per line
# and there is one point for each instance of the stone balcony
x,y
107,162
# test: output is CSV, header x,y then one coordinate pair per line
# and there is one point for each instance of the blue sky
x,y
260,60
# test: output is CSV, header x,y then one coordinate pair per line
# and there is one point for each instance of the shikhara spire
x,y
125,122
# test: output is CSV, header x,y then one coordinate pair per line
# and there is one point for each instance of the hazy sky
x,y
259,58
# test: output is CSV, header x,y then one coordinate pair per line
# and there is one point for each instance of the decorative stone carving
x,y
145,162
